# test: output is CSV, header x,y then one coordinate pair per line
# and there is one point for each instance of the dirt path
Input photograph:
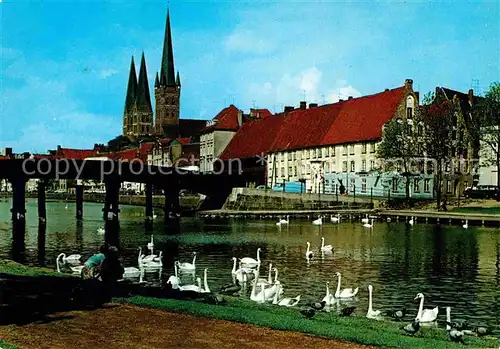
x,y
126,326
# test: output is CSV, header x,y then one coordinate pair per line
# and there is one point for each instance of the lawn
x,y
13,268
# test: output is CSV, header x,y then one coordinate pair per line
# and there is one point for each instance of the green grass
x,y
4,345
360,330
485,210
13,268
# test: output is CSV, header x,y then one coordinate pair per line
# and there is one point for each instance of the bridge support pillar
x,y
18,200
172,206
149,207
111,208
42,209
79,200
42,228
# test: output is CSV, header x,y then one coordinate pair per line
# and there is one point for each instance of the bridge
x,y
171,180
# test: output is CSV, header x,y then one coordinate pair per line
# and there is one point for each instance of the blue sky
x,y
64,65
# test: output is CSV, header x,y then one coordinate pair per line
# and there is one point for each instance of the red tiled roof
x,y
166,140
184,140
260,113
145,149
124,155
226,119
361,119
253,138
74,154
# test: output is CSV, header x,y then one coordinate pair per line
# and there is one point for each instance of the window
x,y
353,185
395,185
363,148
289,171
427,185
327,167
372,165
318,153
416,186
313,154
420,129
344,166
332,151
306,152
295,171
363,166
283,172
324,152
410,129
409,113
372,148
351,149
344,150
353,166
448,187
363,185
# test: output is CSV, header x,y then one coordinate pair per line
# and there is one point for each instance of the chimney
x,y
303,104
471,96
409,84
240,118
341,100
288,108
386,90
313,105
350,97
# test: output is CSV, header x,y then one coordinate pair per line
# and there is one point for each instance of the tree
x,y
118,143
439,122
486,114
398,146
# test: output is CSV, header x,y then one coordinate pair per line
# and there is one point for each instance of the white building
x,y
488,171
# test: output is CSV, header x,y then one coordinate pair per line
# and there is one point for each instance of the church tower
x,y
167,90
130,100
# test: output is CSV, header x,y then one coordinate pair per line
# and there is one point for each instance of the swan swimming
x,y
365,220
335,219
250,261
325,248
241,274
284,221
318,221
425,315
466,225
100,230
371,314
309,253
74,269
186,267
346,292
368,225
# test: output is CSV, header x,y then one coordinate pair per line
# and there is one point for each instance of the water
x,y
452,266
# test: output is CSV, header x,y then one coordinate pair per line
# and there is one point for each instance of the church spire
x,y
178,80
167,74
131,88
143,99
157,81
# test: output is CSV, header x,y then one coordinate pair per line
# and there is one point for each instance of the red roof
x,y
166,140
4,157
260,113
74,154
184,140
361,119
253,138
124,155
226,119
145,149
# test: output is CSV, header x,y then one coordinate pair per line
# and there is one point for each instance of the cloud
x,y
248,41
106,73
342,91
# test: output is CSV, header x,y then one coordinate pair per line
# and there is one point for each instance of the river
x,y
451,265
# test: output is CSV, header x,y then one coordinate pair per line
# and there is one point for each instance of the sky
x,y
65,64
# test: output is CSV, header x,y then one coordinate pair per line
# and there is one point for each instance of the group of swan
x,y
324,249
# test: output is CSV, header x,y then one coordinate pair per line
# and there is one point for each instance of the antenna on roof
x,y
253,103
475,85
322,98
304,95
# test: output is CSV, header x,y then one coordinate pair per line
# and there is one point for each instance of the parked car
x,y
262,187
481,192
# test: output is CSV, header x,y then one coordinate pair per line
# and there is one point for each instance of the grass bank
x,y
4,345
359,330
13,268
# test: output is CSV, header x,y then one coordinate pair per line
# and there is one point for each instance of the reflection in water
x,y
18,242
452,266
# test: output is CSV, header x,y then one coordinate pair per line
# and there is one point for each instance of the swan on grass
x,y
283,221
187,267
368,225
309,253
329,299
248,261
371,314
318,221
425,315
335,219
325,248
285,302
346,292
74,269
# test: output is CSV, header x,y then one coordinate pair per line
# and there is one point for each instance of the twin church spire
x,y
138,113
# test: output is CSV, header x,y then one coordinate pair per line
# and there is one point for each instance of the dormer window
x,y
410,105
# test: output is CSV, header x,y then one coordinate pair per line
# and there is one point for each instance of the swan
x,y
371,314
188,267
368,225
325,248
75,269
66,207
100,230
346,292
254,296
72,258
269,279
151,244
205,288
174,279
154,215
425,315
195,288
284,221
241,274
389,219
285,302
466,225
309,253
251,261
455,335
318,221
411,221
329,299
335,219
365,220
131,272
152,263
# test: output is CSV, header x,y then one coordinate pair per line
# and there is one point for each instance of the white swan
x,y
250,261
269,279
368,225
131,272
425,315
174,279
154,215
346,292
72,258
411,222
100,230
466,225
329,299
195,288
365,220
309,253
325,248
284,221
188,267
152,263
285,302
151,244
335,219
66,207
205,288
318,221
74,269
241,274
371,314
254,296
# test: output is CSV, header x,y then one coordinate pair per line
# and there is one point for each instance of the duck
x,y
325,248
412,328
308,313
309,253
318,221
100,230
248,261
365,220
466,225
283,221
346,292
285,302
231,289
425,315
317,305
186,267
347,311
74,269
371,314
368,225
335,219
329,299
396,314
